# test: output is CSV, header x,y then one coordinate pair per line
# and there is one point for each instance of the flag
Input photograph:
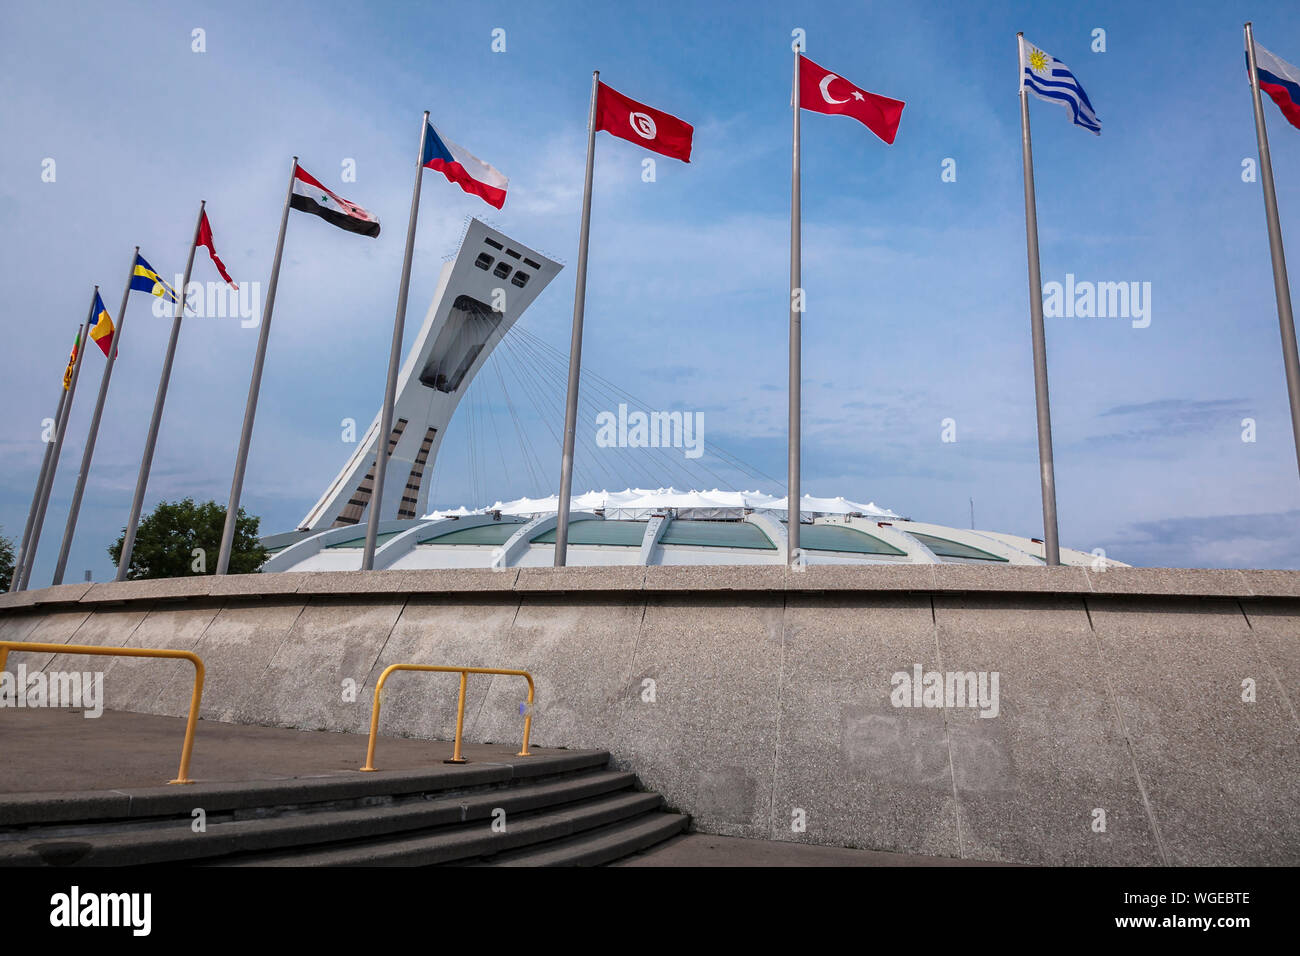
x,y
72,361
205,239
145,279
310,196
1050,79
1280,80
101,333
822,91
463,168
638,123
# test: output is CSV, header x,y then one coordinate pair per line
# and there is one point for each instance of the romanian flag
x,y
72,361
101,333
145,279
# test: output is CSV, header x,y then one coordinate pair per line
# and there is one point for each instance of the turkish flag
x,y
643,125
822,91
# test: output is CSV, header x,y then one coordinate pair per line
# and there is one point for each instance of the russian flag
x,y
1281,81
463,168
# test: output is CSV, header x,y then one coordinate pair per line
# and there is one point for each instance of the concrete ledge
x,y
1017,577
719,578
61,594
116,592
1173,581
437,581
630,578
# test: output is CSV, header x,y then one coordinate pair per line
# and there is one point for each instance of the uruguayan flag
x,y
1050,79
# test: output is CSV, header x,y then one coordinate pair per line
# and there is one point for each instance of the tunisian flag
x,y
643,125
822,91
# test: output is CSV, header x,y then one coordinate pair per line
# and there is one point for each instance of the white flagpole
x,y
1046,468
151,440
394,361
1281,287
254,386
792,500
575,343
70,529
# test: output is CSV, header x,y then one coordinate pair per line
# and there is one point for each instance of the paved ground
x,y
703,849
48,749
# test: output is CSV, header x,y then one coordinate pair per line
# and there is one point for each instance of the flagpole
x,y
254,386
75,509
146,460
575,344
1046,469
29,557
792,500
21,554
394,362
40,483
1281,287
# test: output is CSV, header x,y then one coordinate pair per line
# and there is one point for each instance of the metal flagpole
x,y
1051,545
1281,287
394,361
575,344
48,482
254,386
146,461
40,482
71,528
792,500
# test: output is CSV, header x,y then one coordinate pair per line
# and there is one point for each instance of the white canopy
x,y
641,503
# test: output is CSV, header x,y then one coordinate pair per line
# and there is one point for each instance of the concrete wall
x,y
1119,691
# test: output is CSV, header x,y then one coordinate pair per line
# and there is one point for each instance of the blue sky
x,y
917,294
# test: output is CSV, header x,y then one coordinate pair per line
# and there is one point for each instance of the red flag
x,y
822,91
640,124
205,239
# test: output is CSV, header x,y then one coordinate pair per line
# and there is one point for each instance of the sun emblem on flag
x,y
1038,61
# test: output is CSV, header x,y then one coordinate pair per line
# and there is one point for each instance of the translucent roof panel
x,y
828,537
496,533
626,534
717,534
953,549
360,540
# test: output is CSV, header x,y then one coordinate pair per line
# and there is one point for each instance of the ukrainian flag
x,y
101,332
145,279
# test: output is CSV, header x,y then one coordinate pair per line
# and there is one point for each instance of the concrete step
x,y
469,842
173,840
600,846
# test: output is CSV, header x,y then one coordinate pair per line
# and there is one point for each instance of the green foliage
x,y
6,563
166,541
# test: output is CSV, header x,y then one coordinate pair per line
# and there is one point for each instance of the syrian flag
x,y
310,196
463,168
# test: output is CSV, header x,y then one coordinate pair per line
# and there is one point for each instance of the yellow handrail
x,y
182,775
460,709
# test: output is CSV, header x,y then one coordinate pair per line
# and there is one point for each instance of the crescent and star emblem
x,y
826,82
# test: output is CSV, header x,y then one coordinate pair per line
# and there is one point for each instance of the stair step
x,y
601,846
174,841
467,843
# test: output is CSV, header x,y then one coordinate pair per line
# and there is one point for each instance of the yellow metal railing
x,y
464,673
187,748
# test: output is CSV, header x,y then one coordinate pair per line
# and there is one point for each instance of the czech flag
x,y
463,168
101,333
1281,81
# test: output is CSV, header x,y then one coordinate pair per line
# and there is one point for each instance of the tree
x,y
6,563
183,538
